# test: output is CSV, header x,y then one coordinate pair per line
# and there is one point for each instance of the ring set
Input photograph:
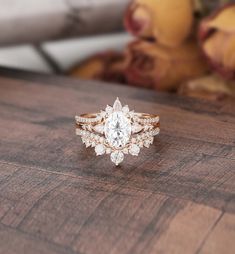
x,y
117,131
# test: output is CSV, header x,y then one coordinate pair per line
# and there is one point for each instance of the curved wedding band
x,y
117,131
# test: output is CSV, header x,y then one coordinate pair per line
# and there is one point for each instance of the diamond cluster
x,y
117,131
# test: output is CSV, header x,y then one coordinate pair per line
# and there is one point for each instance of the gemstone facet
x,y
117,129
134,150
100,149
117,157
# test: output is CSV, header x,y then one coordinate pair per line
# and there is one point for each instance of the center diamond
x,y
117,129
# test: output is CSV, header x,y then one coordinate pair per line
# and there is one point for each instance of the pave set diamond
x,y
117,131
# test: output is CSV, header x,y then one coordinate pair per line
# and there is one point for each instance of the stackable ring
x,y
117,131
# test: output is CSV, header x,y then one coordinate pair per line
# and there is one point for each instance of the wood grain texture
x,y
178,196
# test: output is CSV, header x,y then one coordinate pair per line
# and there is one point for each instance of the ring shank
x,y
142,116
95,118
146,115
89,115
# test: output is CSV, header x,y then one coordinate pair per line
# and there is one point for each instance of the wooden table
x,y
57,197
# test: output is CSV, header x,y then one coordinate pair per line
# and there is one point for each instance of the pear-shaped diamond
x,y
117,157
117,127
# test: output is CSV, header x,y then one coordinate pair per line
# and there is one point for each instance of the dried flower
x,y
108,66
169,22
209,87
217,38
155,66
204,8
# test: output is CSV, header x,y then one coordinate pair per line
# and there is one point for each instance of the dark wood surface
x,y
56,196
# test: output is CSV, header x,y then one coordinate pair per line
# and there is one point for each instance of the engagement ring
x,y
117,131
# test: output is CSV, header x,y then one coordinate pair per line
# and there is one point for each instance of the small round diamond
x,y
100,149
117,157
87,143
125,150
125,109
109,109
102,113
148,142
134,150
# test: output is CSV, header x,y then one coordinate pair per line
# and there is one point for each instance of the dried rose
x,y
209,87
169,22
155,66
204,8
217,39
108,66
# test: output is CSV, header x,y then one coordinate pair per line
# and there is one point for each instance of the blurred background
x,y
185,47
51,36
